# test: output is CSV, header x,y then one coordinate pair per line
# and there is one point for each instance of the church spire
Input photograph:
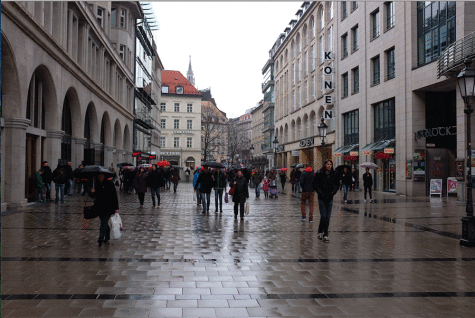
x,y
189,75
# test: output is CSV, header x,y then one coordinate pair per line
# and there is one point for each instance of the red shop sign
x,y
381,155
350,158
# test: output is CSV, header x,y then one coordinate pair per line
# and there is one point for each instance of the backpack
x,y
60,176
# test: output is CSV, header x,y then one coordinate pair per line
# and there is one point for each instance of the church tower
x,y
189,75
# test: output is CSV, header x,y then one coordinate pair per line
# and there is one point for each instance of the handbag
x,y
90,212
231,191
246,208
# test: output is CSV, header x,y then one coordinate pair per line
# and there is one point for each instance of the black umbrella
x,y
300,165
342,167
213,164
176,167
120,165
94,170
294,165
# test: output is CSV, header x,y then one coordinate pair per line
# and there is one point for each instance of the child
x,y
39,187
265,187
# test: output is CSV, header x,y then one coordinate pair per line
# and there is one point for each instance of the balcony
x,y
267,84
450,62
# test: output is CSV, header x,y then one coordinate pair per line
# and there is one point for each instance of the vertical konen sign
x,y
328,84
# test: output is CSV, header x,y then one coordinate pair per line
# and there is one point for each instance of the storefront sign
x,y
354,153
350,158
164,153
438,131
337,155
380,155
408,169
306,142
388,150
419,170
187,132
419,156
367,152
295,153
459,170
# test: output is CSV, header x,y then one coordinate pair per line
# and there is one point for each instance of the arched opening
x,y
190,162
90,124
66,126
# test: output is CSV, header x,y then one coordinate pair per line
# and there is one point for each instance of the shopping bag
x,y
194,197
115,223
246,208
226,198
90,212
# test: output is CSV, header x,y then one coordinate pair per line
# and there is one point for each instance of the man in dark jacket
x,y
298,173
306,180
205,184
106,204
326,183
256,180
59,178
47,178
219,184
69,181
241,193
155,182
77,176
367,184
346,182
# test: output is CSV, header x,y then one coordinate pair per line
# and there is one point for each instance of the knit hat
x,y
308,169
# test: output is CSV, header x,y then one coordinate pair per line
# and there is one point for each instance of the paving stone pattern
x,y
395,257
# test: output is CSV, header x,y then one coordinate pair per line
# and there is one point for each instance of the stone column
x,y
109,157
118,157
13,176
128,157
78,154
53,147
97,153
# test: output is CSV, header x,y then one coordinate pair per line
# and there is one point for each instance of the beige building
x,y
67,88
299,85
180,121
257,157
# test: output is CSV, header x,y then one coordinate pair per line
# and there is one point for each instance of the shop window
x,y
351,127
385,120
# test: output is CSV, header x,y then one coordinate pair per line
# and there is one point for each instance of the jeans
x,y
104,230
297,186
218,195
48,190
70,186
187,178
79,187
205,197
258,189
367,189
345,191
59,187
283,185
307,196
198,197
39,194
175,186
325,213
155,191
241,205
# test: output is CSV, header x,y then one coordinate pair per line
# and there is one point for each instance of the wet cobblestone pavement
x,y
395,257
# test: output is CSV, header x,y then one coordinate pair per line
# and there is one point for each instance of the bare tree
x,y
237,142
213,132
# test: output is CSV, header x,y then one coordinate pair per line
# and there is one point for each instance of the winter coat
x,y
175,176
326,184
346,178
292,176
47,174
105,198
306,180
69,171
283,177
39,179
241,190
205,182
367,180
60,175
140,182
354,174
155,179
195,179
257,178
272,176
219,181
297,175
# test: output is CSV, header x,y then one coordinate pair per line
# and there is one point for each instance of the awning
x,y
378,145
346,148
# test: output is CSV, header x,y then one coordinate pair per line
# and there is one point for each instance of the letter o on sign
x,y
328,70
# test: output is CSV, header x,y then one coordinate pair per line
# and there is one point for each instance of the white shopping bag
x,y
115,223
246,208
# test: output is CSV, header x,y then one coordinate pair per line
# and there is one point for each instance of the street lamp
x,y
275,142
466,84
251,150
322,130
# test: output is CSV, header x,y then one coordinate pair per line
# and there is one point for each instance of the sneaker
x,y
326,239
346,201
320,236
371,201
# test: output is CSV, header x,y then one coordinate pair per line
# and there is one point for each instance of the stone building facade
x,y
70,88
214,129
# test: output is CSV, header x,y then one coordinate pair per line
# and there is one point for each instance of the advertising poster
x,y
408,169
419,170
436,186
459,173
451,185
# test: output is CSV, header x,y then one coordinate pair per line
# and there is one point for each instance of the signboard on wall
x,y
408,169
295,153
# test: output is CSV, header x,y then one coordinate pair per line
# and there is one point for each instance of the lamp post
x,y
275,142
466,84
251,150
322,130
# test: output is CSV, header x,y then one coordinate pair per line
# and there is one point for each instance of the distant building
x,y
214,129
257,158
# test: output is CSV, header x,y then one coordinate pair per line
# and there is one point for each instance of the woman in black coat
x,y
241,193
155,181
105,203
140,184
367,184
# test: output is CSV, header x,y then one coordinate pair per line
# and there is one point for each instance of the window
x,y
176,142
177,107
305,62
163,123
294,71
344,13
354,35
385,120
321,16
435,29
375,24
356,80
189,108
312,28
391,63
163,107
389,14
189,124
162,142
295,102
322,49
122,18
179,90
313,87
330,9
176,124
293,49
122,52
354,5
330,38
298,43
100,16
312,57
189,142
114,17
299,69
344,82
344,45
300,97
164,89
376,70
351,127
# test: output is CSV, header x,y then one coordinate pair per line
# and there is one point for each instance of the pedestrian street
x,y
395,257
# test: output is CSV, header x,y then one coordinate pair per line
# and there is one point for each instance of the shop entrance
x,y
30,168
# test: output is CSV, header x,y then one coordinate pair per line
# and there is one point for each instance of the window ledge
x,y
374,38
390,28
343,97
388,79
374,84
354,93
355,50
344,57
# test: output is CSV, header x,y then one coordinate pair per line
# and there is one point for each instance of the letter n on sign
x,y
327,114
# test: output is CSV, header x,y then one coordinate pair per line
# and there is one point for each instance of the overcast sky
x,y
229,44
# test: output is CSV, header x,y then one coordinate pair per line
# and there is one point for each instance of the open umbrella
x,y
120,165
147,166
176,167
213,164
275,168
163,163
300,165
370,165
340,168
128,168
284,169
94,170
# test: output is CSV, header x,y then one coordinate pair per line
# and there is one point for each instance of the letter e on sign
x,y
328,99
327,114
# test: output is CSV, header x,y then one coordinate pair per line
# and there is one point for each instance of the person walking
x,y
187,174
47,178
326,183
306,181
241,194
155,182
175,173
205,184
292,179
345,182
59,178
168,177
368,184
140,184
283,179
77,177
106,204
256,180
40,198
196,186
69,181
355,181
297,187
219,180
